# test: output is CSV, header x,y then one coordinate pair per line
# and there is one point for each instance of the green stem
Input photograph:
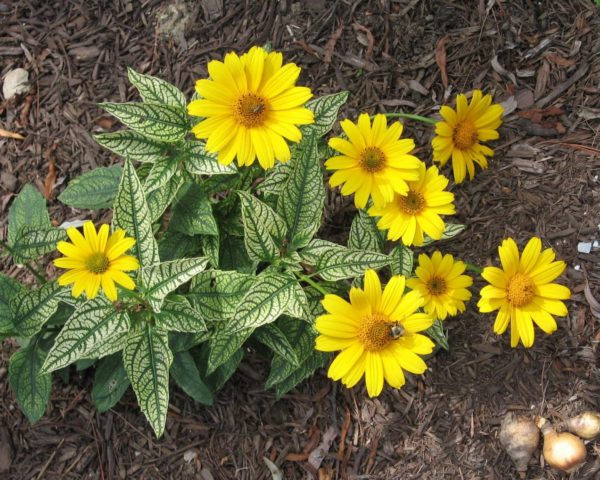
x,y
312,283
35,273
474,268
412,116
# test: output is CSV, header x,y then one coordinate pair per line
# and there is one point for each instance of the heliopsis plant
x,y
377,333
249,107
443,286
374,162
417,213
460,133
523,291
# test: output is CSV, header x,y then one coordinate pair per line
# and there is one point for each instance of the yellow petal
x,y
345,360
373,374
392,294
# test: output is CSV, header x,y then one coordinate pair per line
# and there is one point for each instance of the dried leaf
x,y
502,71
593,303
370,39
274,469
560,61
330,45
441,58
51,176
7,134
319,453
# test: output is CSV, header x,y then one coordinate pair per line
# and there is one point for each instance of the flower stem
x,y
412,116
34,271
312,283
474,268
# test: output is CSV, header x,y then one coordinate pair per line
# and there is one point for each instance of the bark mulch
x,y
541,59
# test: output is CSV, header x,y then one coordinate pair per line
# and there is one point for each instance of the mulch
x,y
541,59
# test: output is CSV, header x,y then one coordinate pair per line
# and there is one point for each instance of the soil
x,y
540,58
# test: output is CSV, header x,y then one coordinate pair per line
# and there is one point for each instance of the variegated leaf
x,y
9,288
201,162
31,309
326,110
155,90
27,210
132,145
401,261
316,248
275,179
337,264
192,213
364,234
93,190
33,242
275,339
159,199
224,344
451,230
176,314
160,174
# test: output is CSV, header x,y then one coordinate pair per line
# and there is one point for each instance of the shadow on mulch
x,y
541,58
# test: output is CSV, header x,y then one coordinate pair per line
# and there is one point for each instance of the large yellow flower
x,y
376,333
441,282
249,105
522,291
410,216
96,260
373,161
460,132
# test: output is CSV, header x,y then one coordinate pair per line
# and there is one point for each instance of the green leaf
x,y
326,110
364,234
233,255
220,376
175,245
303,196
160,279
201,162
217,293
160,174
275,339
305,370
93,190
157,122
437,333
185,373
224,344
159,199
182,342
402,259
210,249
9,288
31,389
27,210
336,264
110,382
192,214
32,309
451,231
132,145
147,360
178,315
264,230
316,248
155,90
91,328
131,213
275,179
33,242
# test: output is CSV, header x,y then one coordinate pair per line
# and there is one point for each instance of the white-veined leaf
x,y
160,174
224,345
27,210
192,213
450,231
315,361
160,279
201,162
31,389
210,249
402,259
220,376
275,179
96,323
326,110
264,230
130,144
155,90
337,264
275,339
185,373
147,359
317,247
31,309
159,199
93,190
155,121
131,213
303,196
437,333
33,242
110,382
364,234
176,314
9,288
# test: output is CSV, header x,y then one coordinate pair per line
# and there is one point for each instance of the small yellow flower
x,y
522,291
374,161
410,216
96,260
250,104
376,333
460,132
441,282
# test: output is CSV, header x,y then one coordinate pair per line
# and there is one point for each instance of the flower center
x,y
375,332
372,159
97,262
464,135
411,204
251,110
437,286
520,290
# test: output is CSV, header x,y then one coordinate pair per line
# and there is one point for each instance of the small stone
x,y
584,247
15,82
8,181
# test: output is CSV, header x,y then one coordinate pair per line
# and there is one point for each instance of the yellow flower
x,y
96,260
410,216
374,161
376,333
249,105
460,132
522,291
441,282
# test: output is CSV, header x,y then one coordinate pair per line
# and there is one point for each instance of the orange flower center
x,y
97,263
520,290
375,332
436,286
251,110
464,135
372,159
411,204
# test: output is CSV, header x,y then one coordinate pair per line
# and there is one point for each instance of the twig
x,y
558,90
47,464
